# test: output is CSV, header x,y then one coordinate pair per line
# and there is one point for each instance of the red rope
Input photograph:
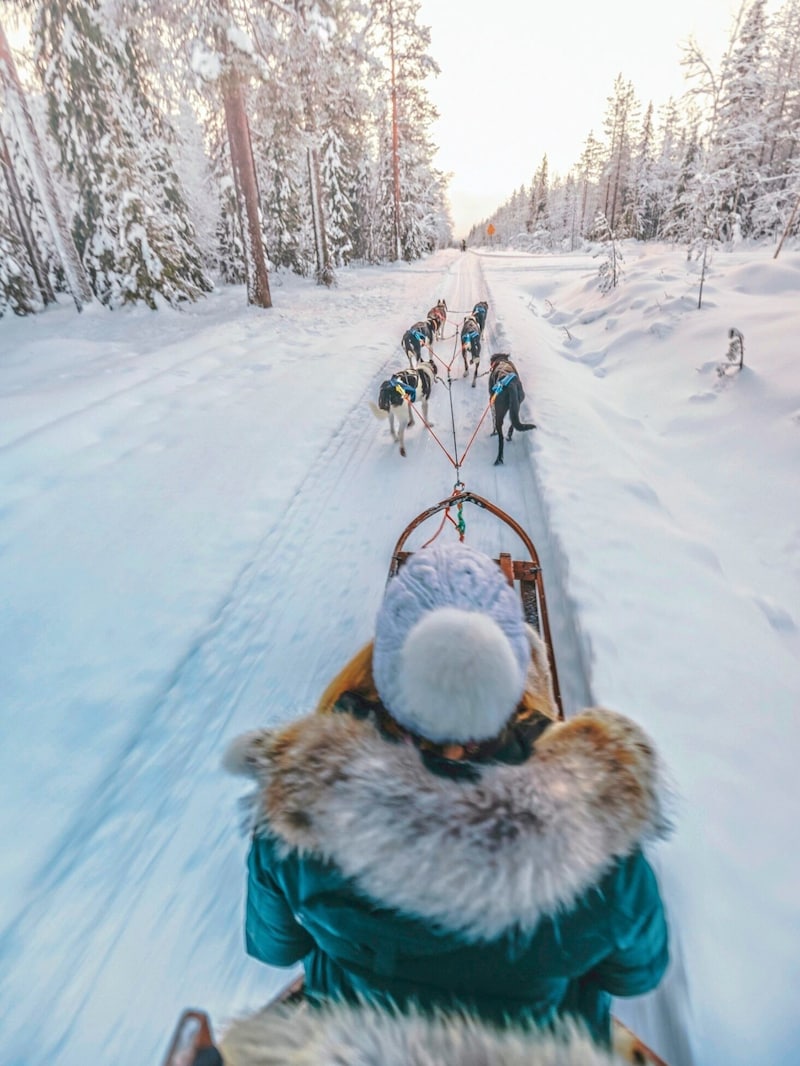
x,y
428,427
474,435
446,517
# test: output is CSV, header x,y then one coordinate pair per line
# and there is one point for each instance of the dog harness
x,y
498,388
404,388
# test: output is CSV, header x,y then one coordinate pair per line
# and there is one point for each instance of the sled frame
x,y
192,1041
524,574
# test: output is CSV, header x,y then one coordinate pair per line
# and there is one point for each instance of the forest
x,y
152,150
719,166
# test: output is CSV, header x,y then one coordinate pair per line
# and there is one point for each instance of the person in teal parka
x,y
432,836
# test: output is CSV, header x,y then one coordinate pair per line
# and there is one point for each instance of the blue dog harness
x,y
498,388
403,386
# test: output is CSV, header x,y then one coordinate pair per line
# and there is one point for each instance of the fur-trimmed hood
x,y
363,1036
476,857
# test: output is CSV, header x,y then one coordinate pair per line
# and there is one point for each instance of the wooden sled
x,y
192,1043
524,574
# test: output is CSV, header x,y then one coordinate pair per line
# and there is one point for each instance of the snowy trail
x,y
301,605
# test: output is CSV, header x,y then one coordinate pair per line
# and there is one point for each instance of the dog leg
x,y
402,439
499,430
391,424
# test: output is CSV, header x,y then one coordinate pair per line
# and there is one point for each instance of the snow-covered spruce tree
x,y
738,134
130,219
364,195
779,157
17,288
23,135
610,272
410,187
635,218
665,170
15,206
537,223
620,122
335,172
345,117
590,168
564,214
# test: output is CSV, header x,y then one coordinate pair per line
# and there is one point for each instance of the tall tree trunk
x,y
77,281
246,185
24,225
398,251
324,274
789,225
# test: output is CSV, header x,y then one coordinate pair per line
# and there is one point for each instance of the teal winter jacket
x,y
516,888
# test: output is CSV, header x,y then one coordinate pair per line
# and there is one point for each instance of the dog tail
x,y
513,414
377,411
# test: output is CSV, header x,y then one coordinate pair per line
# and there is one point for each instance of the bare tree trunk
x,y
789,225
325,274
24,225
398,251
246,185
77,281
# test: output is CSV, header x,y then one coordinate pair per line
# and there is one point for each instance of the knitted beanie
x,y
451,648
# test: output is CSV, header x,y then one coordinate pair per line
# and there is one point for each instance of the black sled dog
x,y
414,338
394,395
471,345
506,388
479,313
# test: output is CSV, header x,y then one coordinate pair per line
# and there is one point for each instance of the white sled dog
x,y
394,395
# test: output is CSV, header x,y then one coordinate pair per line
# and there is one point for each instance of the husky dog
x,y
479,312
438,316
506,388
471,345
396,395
414,338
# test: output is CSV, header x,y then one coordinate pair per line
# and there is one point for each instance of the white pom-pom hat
x,y
452,648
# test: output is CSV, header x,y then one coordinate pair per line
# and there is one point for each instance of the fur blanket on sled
x,y
342,1035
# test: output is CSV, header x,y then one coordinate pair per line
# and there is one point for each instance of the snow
x,y
198,512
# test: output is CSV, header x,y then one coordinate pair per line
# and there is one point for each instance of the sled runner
x,y
524,574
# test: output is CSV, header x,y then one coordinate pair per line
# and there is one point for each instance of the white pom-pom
x,y
459,679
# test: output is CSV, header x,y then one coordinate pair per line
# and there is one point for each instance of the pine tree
x,y
17,291
619,123
537,221
130,220
339,210
42,177
738,135
412,205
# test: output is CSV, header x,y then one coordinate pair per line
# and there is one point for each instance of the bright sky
x,y
521,80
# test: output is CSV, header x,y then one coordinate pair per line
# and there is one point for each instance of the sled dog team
x,y
407,387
